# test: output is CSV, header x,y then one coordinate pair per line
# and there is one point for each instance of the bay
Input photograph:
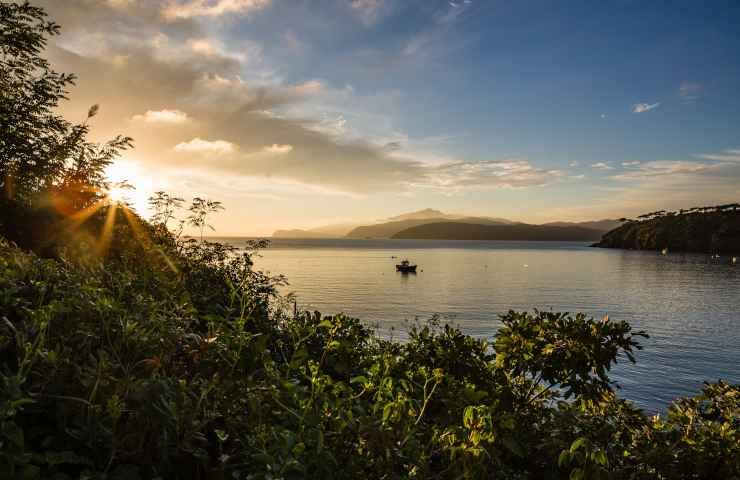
x,y
689,304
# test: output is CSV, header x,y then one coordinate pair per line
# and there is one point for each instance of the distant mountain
x,y
600,225
328,231
425,214
298,233
705,229
389,229
476,231
391,226
436,215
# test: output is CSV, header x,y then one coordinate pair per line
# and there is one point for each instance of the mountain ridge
x,y
387,228
517,232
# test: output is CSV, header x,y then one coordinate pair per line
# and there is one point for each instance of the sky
x,y
300,113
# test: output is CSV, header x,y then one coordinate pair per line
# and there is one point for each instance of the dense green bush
x,y
130,352
107,373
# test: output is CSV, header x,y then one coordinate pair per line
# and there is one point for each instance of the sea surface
x,y
689,304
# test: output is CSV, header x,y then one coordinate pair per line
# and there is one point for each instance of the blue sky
x,y
335,110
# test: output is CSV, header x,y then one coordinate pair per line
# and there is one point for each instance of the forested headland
x,y
128,351
713,230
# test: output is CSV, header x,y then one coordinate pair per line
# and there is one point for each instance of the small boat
x,y
406,267
664,251
734,260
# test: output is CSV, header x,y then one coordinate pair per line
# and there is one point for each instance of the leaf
x,y
599,456
564,458
576,474
578,443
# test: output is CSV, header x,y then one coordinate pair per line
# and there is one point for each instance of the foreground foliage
x,y
111,373
130,352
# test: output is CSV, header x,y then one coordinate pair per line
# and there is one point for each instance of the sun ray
x,y
107,233
141,235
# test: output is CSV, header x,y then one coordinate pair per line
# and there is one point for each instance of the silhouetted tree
x,y
40,151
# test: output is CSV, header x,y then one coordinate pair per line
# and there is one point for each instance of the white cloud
x,y
690,91
277,149
455,176
644,107
198,145
367,10
630,164
725,156
602,166
202,46
162,116
573,164
310,87
175,9
664,168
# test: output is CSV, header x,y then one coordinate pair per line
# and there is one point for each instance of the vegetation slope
x,y
713,230
129,352
472,231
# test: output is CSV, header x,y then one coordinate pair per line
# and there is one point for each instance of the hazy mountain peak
x,y
419,215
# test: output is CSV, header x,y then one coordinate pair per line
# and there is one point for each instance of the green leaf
x,y
564,458
599,456
578,443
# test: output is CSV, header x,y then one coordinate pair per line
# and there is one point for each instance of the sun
x,y
129,186
118,194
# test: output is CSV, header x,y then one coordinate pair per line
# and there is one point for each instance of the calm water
x,y
689,304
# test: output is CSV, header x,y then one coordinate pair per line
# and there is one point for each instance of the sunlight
x,y
126,172
118,195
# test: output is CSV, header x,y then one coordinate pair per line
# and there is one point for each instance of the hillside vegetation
x,y
703,229
390,229
468,231
128,352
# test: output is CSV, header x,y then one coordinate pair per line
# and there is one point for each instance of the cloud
x,y
725,156
367,10
662,168
630,164
690,92
436,39
644,107
277,149
603,115
573,164
602,166
178,9
162,116
247,130
198,145
488,174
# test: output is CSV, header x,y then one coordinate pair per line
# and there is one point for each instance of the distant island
x,y
714,230
521,231
459,227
